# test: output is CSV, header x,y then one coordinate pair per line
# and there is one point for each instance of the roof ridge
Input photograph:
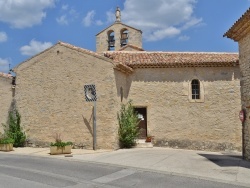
x,y
85,51
169,52
173,59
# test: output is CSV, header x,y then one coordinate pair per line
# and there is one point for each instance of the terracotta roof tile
x,y
81,49
173,59
122,68
240,28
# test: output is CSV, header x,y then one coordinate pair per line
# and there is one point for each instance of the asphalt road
x,y
40,172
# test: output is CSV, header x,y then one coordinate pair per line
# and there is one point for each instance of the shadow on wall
x,y
209,74
11,108
122,84
89,122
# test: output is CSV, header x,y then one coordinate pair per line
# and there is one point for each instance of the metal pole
x,y
94,127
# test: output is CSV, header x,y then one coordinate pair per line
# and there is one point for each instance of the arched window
x,y
111,40
195,84
124,37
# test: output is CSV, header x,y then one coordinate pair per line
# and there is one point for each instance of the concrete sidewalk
x,y
226,167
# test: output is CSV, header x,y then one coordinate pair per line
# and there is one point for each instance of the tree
x,y
14,130
128,125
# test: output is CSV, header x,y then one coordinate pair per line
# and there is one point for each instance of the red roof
x,y
173,59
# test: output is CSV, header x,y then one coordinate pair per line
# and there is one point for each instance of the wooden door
x,y
142,115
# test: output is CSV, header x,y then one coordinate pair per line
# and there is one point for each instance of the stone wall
x,y
175,121
5,98
135,37
244,51
50,98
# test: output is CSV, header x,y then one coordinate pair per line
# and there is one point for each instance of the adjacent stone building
x,y
240,32
6,97
185,99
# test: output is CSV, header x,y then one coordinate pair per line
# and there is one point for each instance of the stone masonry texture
x,y
244,51
175,121
5,99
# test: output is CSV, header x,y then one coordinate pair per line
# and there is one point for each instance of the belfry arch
x,y
111,40
124,35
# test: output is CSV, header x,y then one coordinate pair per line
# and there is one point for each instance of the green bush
x,y
14,130
128,125
61,144
58,141
6,141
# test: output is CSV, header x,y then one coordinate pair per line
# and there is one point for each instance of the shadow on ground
x,y
227,160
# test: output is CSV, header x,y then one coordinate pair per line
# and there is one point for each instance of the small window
x,y
195,84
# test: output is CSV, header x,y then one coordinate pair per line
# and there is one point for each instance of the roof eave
x,y
185,65
240,28
123,68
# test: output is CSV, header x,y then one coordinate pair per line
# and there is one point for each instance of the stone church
x,y
186,99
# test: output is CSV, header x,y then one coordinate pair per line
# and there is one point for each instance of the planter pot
x,y
54,150
6,147
148,139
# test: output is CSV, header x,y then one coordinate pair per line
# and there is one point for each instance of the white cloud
x,y
65,7
163,33
110,16
89,18
24,13
3,37
183,38
69,15
4,65
34,47
159,19
62,20
98,22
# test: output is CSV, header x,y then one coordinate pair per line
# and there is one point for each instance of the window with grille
x,y
195,84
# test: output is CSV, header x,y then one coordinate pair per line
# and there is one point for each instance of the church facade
x,y
187,99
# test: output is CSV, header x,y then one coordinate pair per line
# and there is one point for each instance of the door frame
x,y
146,115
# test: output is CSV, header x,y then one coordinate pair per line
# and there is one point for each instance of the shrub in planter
x,y
6,140
6,144
60,147
61,144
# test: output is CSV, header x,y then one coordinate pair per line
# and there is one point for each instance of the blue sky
x,y
29,26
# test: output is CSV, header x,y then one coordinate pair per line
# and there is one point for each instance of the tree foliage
x,y
14,130
128,129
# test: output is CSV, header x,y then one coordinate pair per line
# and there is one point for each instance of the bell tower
x,y
118,36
